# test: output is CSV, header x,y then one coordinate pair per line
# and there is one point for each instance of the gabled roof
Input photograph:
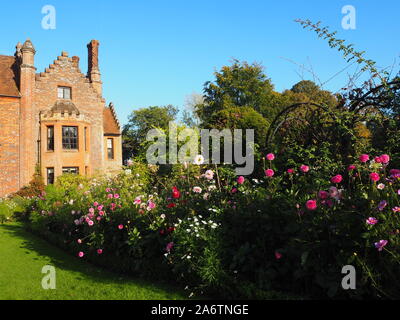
x,y
110,121
8,83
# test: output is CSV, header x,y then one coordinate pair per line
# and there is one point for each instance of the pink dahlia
x,y
311,204
269,173
270,156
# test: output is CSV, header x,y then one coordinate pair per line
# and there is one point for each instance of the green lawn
x,y
22,256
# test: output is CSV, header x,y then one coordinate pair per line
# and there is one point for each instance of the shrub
x,y
286,235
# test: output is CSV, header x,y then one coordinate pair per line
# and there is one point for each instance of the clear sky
x,y
156,52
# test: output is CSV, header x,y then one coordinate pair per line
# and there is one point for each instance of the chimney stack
x,y
28,157
93,65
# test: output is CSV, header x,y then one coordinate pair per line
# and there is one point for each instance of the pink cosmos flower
x,y
240,180
323,194
351,167
337,179
290,171
101,213
170,245
398,192
304,168
364,158
95,203
374,176
378,159
381,186
382,205
385,158
137,200
90,223
80,254
278,255
197,189
116,196
329,203
120,227
379,245
100,208
91,210
98,218
234,190
108,190
396,209
151,205
394,173
334,193
110,196
79,241
371,221
269,173
99,251
270,156
311,204
209,175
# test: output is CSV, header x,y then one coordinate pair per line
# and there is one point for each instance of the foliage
x,y
234,237
35,187
143,120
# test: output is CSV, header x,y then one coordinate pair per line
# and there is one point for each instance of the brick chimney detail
x,y
93,65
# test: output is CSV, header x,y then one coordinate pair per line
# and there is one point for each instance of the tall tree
x,y
240,97
140,122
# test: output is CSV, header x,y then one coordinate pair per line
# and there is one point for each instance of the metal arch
x,y
275,125
355,105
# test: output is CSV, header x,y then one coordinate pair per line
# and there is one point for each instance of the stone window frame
x,y
50,139
110,150
50,177
71,170
70,142
64,90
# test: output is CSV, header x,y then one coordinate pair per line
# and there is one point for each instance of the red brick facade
x,y
32,105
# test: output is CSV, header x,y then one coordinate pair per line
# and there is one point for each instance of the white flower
x,y
199,159
380,186
197,189
162,216
209,174
71,202
128,171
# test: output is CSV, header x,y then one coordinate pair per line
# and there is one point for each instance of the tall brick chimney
x,y
93,65
27,112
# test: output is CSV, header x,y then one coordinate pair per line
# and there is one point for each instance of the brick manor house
x,y
56,119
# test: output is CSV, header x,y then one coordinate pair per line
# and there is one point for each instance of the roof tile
x,y
8,84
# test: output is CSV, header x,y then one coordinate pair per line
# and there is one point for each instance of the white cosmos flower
x,y
199,159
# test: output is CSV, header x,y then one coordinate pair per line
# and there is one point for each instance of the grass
x,y
23,255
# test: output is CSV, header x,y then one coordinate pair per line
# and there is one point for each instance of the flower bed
x,y
290,231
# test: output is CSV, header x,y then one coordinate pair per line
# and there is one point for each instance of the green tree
x,y
140,122
239,85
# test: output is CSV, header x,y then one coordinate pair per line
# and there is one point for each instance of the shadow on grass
x,y
84,270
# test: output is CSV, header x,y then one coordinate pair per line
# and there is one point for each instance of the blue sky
x,y
156,52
